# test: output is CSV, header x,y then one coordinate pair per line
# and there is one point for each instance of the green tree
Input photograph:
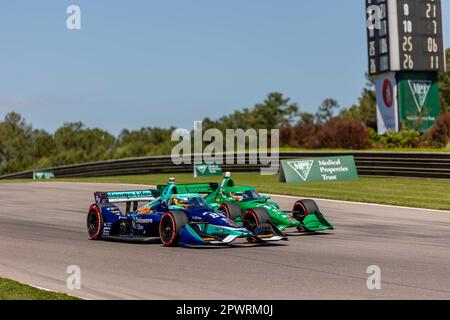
x,y
143,142
365,110
44,148
76,144
326,110
444,86
16,144
274,112
306,118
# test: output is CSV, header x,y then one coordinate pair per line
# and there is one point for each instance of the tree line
x,y
23,147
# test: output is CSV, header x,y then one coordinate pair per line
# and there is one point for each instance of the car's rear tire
x,y
231,210
170,227
95,223
302,208
253,218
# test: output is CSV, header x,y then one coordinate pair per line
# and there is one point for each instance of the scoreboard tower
x,y
405,52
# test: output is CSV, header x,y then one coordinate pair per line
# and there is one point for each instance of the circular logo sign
x,y
388,93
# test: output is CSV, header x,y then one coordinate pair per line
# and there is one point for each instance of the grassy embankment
x,y
13,290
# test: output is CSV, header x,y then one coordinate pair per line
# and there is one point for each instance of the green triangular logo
x,y
302,167
419,90
202,168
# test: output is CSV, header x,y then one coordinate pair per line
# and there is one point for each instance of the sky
x,y
147,63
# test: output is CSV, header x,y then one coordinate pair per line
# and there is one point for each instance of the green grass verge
x,y
13,290
419,193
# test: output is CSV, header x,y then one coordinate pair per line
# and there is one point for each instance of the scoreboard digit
x,y
410,37
420,34
378,39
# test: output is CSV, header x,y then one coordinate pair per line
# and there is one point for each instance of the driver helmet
x,y
237,196
179,203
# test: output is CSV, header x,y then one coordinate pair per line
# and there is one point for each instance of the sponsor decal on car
x,y
145,210
141,220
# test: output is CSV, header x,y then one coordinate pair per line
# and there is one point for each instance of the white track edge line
x,y
53,291
361,203
40,288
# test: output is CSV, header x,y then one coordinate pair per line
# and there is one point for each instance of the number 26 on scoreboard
x,y
408,62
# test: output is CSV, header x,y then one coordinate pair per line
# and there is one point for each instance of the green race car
x,y
246,206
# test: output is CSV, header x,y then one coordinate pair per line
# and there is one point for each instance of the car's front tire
x,y
95,223
231,209
253,218
170,227
302,208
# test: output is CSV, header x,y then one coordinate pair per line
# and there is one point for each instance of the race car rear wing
x,y
201,188
128,197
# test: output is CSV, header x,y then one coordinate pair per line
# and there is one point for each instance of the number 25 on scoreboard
x,y
407,44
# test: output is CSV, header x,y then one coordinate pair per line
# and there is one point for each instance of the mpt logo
x,y
302,167
419,90
202,168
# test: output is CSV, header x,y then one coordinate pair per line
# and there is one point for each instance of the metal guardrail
x,y
408,164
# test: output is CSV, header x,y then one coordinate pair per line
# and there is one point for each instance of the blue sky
x,y
169,62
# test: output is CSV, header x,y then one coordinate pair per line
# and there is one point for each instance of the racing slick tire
x,y
253,218
231,210
302,208
95,223
170,227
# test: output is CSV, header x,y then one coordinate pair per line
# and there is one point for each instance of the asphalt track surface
x,y
42,232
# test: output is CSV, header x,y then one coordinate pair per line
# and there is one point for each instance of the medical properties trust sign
x,y
43,174
207,170
318,169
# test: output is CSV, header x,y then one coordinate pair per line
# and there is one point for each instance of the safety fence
x,y
398,164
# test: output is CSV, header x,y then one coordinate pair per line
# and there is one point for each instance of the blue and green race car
x,y
177,216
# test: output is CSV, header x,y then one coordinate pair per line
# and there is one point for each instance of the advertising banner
x,y
318,169
387,103
43,174
207,170
418,100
